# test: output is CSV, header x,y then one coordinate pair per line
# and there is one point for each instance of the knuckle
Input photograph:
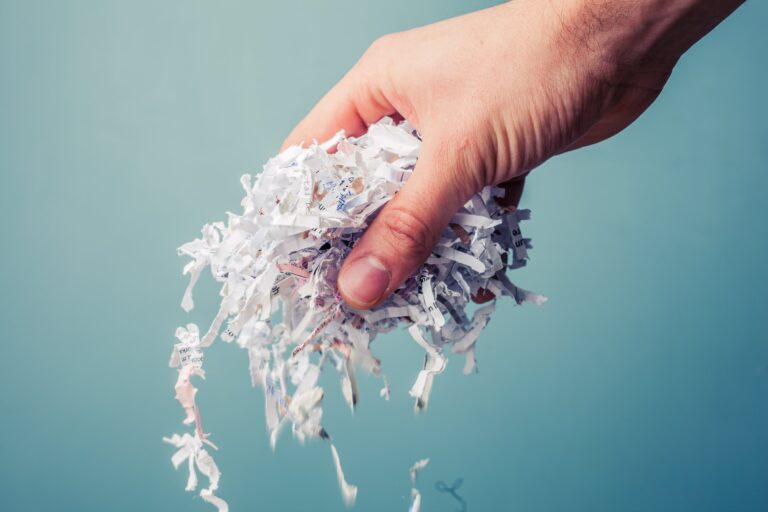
x,y
406,233
380,51
374,65
382,44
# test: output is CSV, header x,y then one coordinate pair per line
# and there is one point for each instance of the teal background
x,y
124,126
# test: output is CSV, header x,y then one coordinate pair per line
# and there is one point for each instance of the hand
x,y
494,94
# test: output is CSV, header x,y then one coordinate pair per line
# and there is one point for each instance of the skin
x,y
494,94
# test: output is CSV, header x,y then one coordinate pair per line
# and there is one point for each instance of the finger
x,y
402,236
355,102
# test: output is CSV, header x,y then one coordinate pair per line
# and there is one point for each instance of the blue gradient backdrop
x,y
124,126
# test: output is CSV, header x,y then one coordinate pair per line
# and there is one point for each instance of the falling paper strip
x,y
417,466
277,263
348,492
415,494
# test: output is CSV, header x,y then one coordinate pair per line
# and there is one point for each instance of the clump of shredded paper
x,y
278,261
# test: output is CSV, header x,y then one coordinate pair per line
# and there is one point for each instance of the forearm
x,y
641,36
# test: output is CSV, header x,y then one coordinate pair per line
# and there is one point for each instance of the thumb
x,y
403,234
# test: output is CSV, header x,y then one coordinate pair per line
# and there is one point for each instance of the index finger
x,y
355,102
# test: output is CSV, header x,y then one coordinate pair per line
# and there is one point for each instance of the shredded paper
x,y
415,494
278,262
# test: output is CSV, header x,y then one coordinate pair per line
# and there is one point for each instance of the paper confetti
x,y
278,261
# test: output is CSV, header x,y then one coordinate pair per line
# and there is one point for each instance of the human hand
x,y
494,94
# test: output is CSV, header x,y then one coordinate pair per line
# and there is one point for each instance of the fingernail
x,y
365,280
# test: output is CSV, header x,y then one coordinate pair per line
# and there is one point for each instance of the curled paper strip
x,y
441,486
190,449
278,261
417,466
